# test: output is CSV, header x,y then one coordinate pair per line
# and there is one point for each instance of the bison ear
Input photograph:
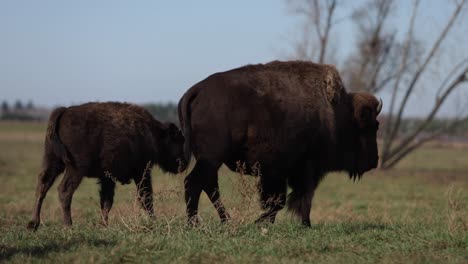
x,y
365,115
364,108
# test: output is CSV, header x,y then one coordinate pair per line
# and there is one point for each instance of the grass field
x,y
415,213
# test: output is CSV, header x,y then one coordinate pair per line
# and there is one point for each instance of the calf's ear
x,y
171,129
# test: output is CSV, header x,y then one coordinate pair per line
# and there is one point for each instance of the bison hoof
x,y
33,225
193,221
265,219
225,221
306,223
226,218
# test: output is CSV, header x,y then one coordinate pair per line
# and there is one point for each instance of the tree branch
x,y
388,135
324,39
439,101
418,73
409,148
394,160
373,83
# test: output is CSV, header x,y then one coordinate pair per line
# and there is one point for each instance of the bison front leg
x,y
67,188
300,203
145,193
303,185
45,179
106,193
272,196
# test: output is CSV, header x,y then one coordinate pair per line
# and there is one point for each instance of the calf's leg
x,y
67,188
145,193
45,179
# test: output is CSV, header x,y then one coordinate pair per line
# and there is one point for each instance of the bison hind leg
x,y
204,176
70,182
211,188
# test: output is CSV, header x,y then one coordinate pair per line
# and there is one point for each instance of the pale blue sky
x,y
63,52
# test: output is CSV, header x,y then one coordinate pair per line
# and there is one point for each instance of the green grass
x,y
414,213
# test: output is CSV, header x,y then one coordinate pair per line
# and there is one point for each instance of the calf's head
x,y
363,133
171,149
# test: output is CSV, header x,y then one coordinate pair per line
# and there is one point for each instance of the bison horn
x,y
379,107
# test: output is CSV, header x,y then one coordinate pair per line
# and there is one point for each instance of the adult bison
x,y
288,122
111,142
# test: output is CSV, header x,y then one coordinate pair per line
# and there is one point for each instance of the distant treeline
x,y
23,111
167,112
164,112
450,126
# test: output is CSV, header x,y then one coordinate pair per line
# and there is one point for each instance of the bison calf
x,y
108,141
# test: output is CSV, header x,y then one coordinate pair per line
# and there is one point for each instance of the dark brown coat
x,y
289,122
114,142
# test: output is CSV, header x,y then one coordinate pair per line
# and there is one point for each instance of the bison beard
x,y
113,142
295,119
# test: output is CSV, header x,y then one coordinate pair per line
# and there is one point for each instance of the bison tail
x,y
185,116
54,145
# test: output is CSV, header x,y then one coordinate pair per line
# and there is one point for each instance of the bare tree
x,y
370,68
381,62
319,15
394,148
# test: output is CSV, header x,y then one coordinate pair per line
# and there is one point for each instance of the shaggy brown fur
x,y
295,119
114,142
